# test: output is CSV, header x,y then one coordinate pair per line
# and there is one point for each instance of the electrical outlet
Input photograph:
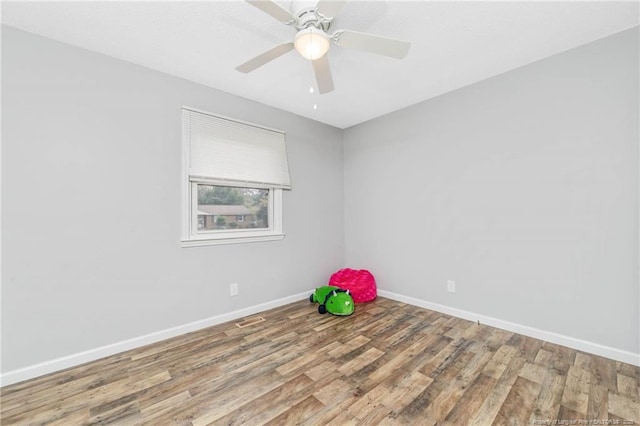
x,y
451,286
233,289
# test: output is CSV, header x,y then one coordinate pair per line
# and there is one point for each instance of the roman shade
x,y
228,150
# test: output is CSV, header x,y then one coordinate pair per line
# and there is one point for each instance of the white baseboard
x,y
571,342
73,360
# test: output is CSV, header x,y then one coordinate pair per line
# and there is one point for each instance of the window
x,y
234,174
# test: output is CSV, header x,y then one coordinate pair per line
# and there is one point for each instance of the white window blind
x,y
224,149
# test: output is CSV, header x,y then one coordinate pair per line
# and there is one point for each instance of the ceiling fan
x,y
313,41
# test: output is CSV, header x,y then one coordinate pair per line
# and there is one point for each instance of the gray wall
x,y
91,205
522,188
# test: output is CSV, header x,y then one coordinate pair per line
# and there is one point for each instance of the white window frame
x,y
192,237
198,237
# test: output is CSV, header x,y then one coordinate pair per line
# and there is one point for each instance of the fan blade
x,y
323,74
267,56
330,8
372,43
273,9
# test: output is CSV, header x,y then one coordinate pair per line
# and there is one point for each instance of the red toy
x,y
360,283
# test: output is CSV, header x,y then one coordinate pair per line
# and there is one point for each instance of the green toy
x,y
332,299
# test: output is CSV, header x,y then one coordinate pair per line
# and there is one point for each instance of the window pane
x,y
228,208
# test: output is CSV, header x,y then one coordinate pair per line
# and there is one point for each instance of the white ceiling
x,y
453,44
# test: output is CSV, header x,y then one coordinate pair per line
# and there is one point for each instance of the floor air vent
x,y
249,322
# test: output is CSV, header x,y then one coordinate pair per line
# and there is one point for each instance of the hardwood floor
x,y
389,363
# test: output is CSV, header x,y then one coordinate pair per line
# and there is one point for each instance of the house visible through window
x,y
234,174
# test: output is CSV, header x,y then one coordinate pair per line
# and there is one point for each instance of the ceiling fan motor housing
x,y
306,14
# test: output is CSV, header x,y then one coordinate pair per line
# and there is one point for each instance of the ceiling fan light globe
x,y
312,43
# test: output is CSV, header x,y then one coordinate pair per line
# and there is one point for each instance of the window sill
x,y
230,240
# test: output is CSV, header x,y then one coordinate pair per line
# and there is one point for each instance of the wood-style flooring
x,y
389,363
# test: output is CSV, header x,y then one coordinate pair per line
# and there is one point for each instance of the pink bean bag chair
x,y
360,283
